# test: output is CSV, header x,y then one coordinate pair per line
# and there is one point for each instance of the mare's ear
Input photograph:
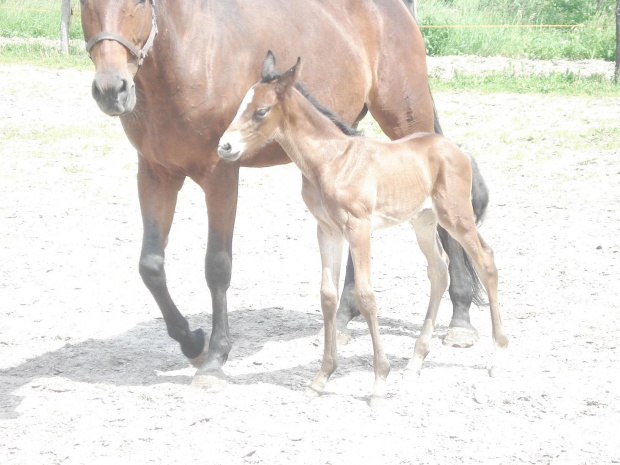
x,y
288,79
269,65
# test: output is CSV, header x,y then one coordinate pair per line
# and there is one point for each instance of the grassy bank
x,y
566,83
527,42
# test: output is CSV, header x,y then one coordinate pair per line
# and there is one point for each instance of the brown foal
x,y
352,185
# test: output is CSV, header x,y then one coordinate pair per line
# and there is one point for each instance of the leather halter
x,y
140,54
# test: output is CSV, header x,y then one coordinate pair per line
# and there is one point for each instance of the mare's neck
x,y
173,61
310,139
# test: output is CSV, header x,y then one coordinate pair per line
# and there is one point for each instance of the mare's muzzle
x,y
114,93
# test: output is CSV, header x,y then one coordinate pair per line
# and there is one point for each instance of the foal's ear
x,y
269,65
288,79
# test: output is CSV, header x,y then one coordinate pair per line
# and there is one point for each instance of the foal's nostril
x,y
226,147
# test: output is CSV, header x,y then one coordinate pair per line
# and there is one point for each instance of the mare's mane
x,y
344,127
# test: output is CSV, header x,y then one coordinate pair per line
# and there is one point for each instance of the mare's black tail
x,y
479,201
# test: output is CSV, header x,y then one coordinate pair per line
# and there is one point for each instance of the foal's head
x,y
260,114
119,33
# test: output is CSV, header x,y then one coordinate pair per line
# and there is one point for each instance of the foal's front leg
x,y
331,257
358,235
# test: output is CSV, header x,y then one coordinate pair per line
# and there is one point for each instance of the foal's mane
x,y
344,127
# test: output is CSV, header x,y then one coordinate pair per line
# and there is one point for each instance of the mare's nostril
x,y
226,147
96,91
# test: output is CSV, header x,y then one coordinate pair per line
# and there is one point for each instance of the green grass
x,y
539,43
45,54
566,83
36,18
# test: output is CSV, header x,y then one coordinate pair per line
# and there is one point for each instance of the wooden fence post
x,y
617,73
65,22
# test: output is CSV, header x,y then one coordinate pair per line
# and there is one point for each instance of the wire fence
x,y
421,26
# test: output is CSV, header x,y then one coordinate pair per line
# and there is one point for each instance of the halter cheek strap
x,y
140,54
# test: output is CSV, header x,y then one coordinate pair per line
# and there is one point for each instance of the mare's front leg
x,y
221,190
331,257
157,190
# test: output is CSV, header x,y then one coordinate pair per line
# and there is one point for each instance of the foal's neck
x,y
310,139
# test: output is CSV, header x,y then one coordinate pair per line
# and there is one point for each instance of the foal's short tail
x,y
479,201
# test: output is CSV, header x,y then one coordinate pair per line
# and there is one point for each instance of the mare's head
x,y
119,33
260,115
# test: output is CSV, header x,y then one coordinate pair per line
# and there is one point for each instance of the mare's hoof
x,y
460,337
197,341
210,382
197,362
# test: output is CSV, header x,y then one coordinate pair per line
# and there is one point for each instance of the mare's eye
x,y
261,112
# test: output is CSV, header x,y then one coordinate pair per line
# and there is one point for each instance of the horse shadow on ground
x,y
143,355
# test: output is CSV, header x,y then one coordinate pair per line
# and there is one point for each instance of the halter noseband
x,y
140,54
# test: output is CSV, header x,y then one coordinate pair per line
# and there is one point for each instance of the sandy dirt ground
x,y
89,375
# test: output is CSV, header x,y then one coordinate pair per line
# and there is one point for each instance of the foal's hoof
x,y
342,338
411,375
210,382
496,371
312,393
377,402
460,337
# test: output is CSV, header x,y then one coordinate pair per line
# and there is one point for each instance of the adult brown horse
x,y
175,104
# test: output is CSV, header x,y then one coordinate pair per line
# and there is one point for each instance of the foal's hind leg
x,y
331,258
463,228
425,225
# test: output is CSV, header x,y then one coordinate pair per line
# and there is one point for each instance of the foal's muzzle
x,y
225,152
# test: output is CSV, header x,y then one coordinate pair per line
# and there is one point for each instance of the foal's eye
x,y
261,112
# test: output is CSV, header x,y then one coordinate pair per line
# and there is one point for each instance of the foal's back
x,y
394,180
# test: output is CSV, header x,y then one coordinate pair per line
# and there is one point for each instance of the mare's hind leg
x,y
461,333
157,191
462,227
331,258
425,225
